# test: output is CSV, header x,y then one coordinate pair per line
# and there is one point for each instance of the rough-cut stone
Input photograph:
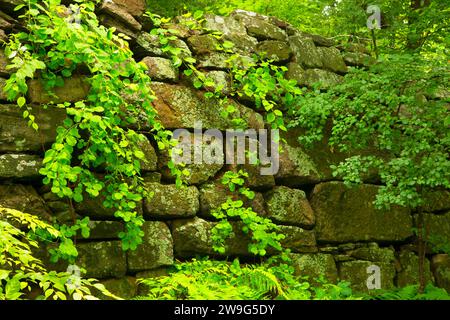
x,y
3,63
356,272
225,25
332,59
4,24
319,40
3,36
201,44
372,252
221,79
121,27
199,173
182,107
255,180
289,207
19,166
73,90
135,7
298,239
358,59
120,13
193,237
16,135
156,250
409,272
9,5
102,259
278,51
169,202
125,288
151,160
305,52
323,78
437,228
348,215
437,201
25,199
105,230
3,96
315,266
295,72
296,167
440,264
94,208
261,29
160,69
214,194
149,45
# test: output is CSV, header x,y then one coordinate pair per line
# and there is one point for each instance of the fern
x,y
412,293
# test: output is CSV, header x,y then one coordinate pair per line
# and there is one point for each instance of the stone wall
x,y
331,230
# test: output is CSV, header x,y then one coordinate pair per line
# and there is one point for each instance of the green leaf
x,y
21,102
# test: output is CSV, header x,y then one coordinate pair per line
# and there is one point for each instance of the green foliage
x,y
263,232
411,293
394,109
21,271
219,280
98,131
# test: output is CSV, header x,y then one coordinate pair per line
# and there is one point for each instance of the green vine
x,y
98,131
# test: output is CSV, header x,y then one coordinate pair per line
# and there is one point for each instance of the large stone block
x,y
297,167
322,78
278,51
74,89
24,198
440,264
156,250
135,7
332,59
182,107
169,201
298,240
161,69
409,272
4,61
348,215
150,45
259,26
193,237
94,208
19,166
201,44
358,273
212,158
151,159
315,266
289,207
437,201
305,52
16,135
102,260
214,194
105,230
125,288
3,96
437,228
121,13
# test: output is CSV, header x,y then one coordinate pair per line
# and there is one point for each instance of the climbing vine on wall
x,y
98,131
